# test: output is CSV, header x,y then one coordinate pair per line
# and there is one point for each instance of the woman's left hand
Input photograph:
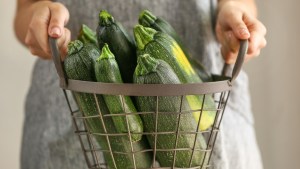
x,y
237,20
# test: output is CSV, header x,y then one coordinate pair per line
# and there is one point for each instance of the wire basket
x,y
219,90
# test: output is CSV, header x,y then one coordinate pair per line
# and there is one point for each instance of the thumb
x,y
59,17
239,28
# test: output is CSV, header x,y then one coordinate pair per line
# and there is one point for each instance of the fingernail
x,y
55,31
244,31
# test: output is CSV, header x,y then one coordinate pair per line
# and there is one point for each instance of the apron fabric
x,y
49,141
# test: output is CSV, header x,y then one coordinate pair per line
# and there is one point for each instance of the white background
x,y
274,83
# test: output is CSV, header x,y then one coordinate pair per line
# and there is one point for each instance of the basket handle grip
x,y
239,61
58,62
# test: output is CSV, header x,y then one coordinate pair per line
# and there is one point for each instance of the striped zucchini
x,y
155,71
107,71
147,19
161,46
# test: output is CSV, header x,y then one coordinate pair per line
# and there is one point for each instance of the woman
x,y
204,25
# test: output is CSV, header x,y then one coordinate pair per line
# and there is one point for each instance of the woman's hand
x,y
35,21
237,20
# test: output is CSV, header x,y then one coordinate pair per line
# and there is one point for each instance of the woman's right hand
x,y
39,20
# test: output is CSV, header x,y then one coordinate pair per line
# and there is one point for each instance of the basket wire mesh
x,y
219,89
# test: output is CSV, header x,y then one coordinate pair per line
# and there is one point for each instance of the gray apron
x,y
49,141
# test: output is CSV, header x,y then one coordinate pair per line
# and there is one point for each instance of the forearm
x,y
249,4
24,12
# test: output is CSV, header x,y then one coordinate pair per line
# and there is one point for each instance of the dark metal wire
x,y
76,128
213,134
105,130
155,134
93,161
197,129
83,132
177,130
90,141
129,133
149,150
218,126
196,167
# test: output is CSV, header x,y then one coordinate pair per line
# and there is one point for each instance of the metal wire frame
x,y
92,151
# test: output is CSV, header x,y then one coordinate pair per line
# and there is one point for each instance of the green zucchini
x,y
79,65
87,35
121,44
147,19
155,71
107,71
161,46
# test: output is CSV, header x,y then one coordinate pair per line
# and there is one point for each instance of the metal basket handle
x,y
64,81
58,62
239,61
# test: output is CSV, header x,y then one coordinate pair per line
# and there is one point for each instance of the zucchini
x,y
161,46
87,35
122,46
78,65
155,71
147,19
107,71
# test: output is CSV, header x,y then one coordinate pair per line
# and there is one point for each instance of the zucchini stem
x,y
105,18
74,47
146,18
86,35
106,53
146,65
143,36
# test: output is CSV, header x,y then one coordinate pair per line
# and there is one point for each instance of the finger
x,y
263,43
256,26
64,45
60,41
256,42
39,52
228,56
38,36
257,38
34,47
29,39
238,26
232,42
59,18
230,46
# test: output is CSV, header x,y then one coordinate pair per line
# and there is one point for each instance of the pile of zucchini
x,y
156,55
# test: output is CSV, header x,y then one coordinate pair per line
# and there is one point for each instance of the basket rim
x,y
131,89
